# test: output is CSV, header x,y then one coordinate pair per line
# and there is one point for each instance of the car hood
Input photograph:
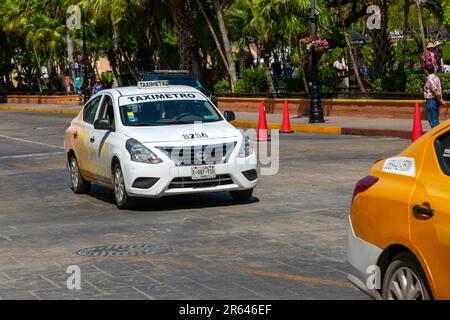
x,y
182,132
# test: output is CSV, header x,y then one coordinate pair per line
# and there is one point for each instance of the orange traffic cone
x,y
417,125
262,134
286,123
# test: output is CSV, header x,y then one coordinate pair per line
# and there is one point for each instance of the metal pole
x,y
86,82
315,112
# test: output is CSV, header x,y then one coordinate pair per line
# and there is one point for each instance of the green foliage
x,y
446,51
415,83
446,9
445,82
377,86
253,81
107,78
328,79
222,86
410,56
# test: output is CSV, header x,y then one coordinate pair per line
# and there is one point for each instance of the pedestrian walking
x,y
428,58
79,84
342,68
98,86
433,96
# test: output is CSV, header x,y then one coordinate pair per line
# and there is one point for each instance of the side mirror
x,y
102,124
229,115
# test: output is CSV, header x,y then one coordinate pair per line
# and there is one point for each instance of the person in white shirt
x,y
342,68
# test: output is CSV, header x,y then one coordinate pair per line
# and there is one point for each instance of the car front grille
x,y
187,182
199,155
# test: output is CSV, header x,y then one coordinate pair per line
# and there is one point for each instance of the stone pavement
x,y
288,242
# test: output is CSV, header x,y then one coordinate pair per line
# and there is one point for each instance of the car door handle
x,y
92,139
75,134
422,213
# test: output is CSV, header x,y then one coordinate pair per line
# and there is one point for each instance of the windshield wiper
x,y
181,122
142,124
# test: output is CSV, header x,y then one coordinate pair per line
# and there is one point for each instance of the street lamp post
x,y
315,112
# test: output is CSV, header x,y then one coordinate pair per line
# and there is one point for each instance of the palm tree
x,y
225,52
275,20
39,32
182,13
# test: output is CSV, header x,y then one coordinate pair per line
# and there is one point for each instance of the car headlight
x,y
140,153
246,147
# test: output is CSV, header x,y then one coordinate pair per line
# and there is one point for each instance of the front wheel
x,y
123,200
79,185
405,280
241,195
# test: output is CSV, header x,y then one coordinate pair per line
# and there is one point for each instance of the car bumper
x,y
171,180
362,257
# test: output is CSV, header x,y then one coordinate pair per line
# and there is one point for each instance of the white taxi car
x,y
155,140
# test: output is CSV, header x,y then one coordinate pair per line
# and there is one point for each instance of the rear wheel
x,y
123,200
241,195
405,280
79,185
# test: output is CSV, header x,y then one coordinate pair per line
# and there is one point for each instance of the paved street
x,y
287,243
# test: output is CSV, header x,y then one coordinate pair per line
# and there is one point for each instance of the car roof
x,y
134,90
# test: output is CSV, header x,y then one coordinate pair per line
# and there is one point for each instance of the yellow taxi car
x,y
399,223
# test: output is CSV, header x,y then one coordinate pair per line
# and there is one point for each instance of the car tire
x,y
405,280
123,200
241,195
79,185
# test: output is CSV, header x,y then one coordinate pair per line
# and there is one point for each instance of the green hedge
x,y
415,82
394,83
222,86
253,81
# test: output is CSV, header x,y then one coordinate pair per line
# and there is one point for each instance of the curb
x,y
294,127
37,110
331,130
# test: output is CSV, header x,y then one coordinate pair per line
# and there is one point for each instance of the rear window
x,y
442,146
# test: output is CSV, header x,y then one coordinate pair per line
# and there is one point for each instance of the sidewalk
x,y
45,108
333,125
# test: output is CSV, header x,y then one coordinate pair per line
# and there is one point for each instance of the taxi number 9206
x,y
190,136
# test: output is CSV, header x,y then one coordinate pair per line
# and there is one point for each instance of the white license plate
x,y
203,172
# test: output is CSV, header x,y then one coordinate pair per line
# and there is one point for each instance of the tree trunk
x,y
213,34
226,44
115,52
302,68
350,52
352,58
268,72
381,64
186,37
405,31
419,18
39,69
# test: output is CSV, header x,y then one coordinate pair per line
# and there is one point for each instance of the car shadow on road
x,y
175,202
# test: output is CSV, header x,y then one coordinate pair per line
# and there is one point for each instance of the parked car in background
x,y
179,77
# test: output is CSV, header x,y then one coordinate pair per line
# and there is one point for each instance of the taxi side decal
x,y
401,166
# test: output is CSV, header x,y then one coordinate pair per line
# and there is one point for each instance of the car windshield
x,y
176,80
168,112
